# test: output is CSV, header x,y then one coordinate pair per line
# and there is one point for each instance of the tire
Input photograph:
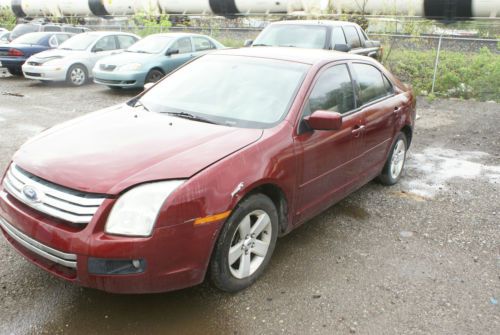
x,y
15,71
250,252
77,75
153,76
394,165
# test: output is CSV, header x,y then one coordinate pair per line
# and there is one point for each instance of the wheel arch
x,y
408,131
279,199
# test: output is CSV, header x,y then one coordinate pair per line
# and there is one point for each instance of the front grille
x,y
31,74
51,199
51,254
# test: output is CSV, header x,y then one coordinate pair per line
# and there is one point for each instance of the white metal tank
x,y
73,7
185,6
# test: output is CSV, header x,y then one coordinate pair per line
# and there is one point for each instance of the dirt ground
x,y
421,257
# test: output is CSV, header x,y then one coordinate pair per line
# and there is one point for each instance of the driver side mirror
x,y
342,47
324,120
171,52
248,43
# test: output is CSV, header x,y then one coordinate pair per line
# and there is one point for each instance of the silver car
x,y
74,59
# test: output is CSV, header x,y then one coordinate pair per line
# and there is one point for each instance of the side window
x,y
126,41
183,44
371,83
53,42
62,37
388,86
352,37
202,43
332,92
106,43
51,28
362,34
338,37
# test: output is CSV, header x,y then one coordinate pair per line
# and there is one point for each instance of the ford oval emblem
x,y
31,194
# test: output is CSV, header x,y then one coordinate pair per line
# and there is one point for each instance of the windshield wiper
x,y
189,116
261,45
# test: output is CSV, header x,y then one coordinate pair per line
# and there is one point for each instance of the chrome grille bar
x,y
53,200
56,256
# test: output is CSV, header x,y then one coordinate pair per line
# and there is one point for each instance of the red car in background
x,y
204,171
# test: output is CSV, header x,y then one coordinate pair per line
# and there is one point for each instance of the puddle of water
x,y
435,167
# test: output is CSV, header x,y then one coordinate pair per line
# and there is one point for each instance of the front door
x,y
326,159
185,48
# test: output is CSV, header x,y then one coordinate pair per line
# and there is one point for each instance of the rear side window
x,y
183,45
62,37
201,44
126,41
372,83
352,37
332,92
53,42
338,37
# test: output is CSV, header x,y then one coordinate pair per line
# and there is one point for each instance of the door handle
x,y
358,130
397,110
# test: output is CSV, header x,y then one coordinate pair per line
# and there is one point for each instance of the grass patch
x,y
460,75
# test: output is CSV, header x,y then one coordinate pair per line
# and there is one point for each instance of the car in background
x,y
198,176
74,60
151,58
4,37
329,35
32,27
13,55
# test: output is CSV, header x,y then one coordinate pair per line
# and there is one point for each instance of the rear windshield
x,y
31,38
22,29
301,36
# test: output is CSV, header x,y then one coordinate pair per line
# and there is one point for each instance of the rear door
x,y
327,159
380,111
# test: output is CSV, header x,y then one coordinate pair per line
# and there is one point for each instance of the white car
x,y
74,59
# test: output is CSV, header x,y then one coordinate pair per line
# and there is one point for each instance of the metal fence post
x,y
436,63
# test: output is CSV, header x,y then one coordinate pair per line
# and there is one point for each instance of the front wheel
x,y
394,165
245,245
77,75
153,76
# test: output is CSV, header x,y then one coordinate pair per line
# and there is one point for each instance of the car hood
x,y
109,151
59,53
127,58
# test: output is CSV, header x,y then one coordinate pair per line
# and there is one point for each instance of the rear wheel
x,y
153,76
394,165
77,75
245,245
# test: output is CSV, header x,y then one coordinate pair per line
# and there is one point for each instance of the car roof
x,y
178,35
106,33
297,55
315,23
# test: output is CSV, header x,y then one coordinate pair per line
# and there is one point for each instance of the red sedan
x,y
198,176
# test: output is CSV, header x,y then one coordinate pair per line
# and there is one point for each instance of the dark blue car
x,y
14,54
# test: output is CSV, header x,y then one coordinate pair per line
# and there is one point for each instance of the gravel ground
x,y
421,257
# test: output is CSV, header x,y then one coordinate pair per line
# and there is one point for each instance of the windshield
x,y
230,90
79,42
32,38
151,44
22,29
301,36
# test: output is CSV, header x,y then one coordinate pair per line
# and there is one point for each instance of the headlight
x,y
129,67
135,212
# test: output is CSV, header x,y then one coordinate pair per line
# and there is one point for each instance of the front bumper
x,y
120,79
48,73
175,257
